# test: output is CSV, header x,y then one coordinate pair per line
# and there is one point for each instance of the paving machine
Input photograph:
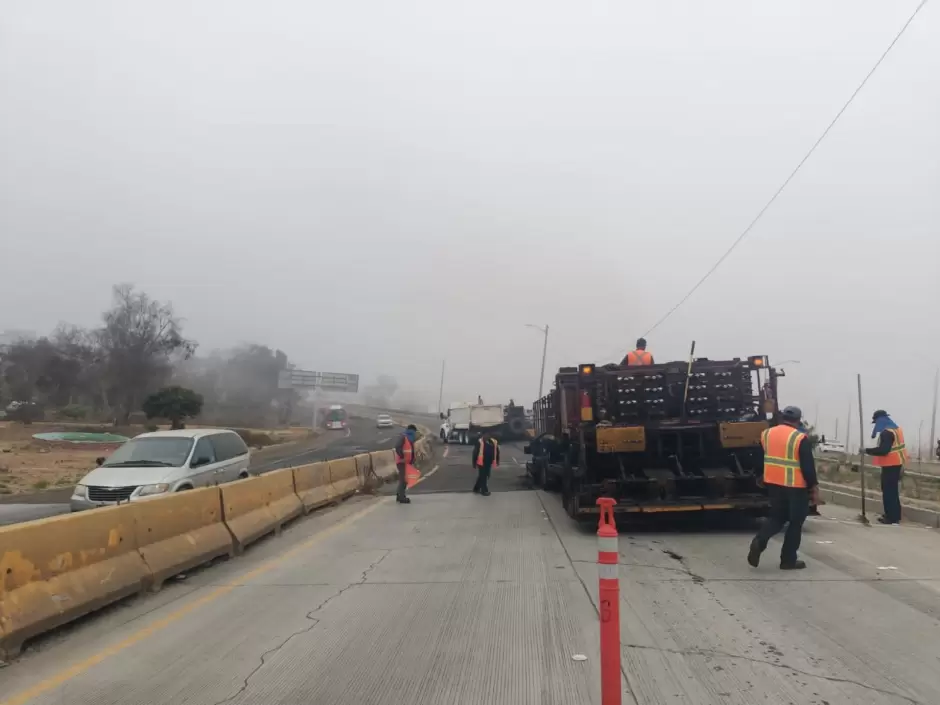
x,y
675,437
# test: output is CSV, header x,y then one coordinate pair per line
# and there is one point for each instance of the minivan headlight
x,y
147,490
80,491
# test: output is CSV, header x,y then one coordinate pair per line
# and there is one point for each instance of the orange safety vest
x,y
408,451
482,448
782,456
898,454
639,357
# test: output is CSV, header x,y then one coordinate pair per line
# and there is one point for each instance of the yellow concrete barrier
x,y
181,531
383,464
259,505
422,450
343,476
312,483
55,570
363,468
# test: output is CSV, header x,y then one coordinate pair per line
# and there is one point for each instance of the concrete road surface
x,y
361,436
458,598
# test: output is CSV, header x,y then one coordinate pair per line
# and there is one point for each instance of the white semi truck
x,y
465,423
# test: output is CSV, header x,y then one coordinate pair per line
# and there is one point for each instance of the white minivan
x,y
155,464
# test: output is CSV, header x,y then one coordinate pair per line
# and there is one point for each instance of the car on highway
x,y
155,464
384,421
830,447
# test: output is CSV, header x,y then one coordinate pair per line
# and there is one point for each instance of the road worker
x,y
889,454
485,458
640,356
405,456
790,477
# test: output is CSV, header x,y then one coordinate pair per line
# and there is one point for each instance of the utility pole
x,y
836,436
440,396
933,417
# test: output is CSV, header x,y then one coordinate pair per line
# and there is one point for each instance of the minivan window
x,y
153,451
228,446
204,449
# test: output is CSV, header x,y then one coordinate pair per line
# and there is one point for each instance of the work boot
x,y
753,555
795,565
476,490
885,520
403,500
485,493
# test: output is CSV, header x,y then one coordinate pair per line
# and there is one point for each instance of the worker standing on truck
x,y
639,356
790,476
485,458
889,454
405,456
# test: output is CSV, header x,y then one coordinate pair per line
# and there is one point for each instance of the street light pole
x,y
545,350
544,332
933,417
440,396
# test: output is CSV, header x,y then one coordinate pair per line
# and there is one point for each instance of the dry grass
x,y
28,465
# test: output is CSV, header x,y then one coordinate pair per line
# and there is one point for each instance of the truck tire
x,y
517,426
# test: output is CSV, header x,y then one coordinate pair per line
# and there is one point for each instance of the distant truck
x,y
465,423
673,437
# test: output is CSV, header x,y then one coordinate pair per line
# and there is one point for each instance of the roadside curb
x,y
844,496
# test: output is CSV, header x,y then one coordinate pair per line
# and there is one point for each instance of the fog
x,y
377,187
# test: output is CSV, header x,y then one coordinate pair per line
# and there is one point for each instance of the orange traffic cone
x,y
412,474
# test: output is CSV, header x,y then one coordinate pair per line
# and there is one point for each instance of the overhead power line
x,y
793,173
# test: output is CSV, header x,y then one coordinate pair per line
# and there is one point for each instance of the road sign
x,y
308,379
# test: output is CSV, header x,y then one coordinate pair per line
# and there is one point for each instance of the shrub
x,y
26,413
73,412
254,439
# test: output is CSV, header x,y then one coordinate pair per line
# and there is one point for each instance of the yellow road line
x,y
77,669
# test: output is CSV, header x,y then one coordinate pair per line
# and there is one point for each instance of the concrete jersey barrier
x,y
383,464
181,531
343,476
259,505
57,569
312,484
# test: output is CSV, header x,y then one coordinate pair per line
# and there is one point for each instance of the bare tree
x,y
139,341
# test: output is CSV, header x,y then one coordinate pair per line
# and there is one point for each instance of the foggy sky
x,y
374,187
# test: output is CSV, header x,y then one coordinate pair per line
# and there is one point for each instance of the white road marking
x,y
384,440
446,451
425,477
516,461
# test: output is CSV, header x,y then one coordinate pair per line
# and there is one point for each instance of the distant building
x,y
13,336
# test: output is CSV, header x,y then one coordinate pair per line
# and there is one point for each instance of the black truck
x,y
673,437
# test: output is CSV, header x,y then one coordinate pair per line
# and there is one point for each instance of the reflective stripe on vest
x,y
483,443
782,456
639,357
408,452
898,454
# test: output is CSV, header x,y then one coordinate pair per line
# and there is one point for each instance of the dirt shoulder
x,y
37,472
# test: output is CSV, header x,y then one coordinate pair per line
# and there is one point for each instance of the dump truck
x,y
674,437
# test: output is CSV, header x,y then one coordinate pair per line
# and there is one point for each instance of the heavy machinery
x,y
673,437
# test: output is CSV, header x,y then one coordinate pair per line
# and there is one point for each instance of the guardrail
x,y
55,570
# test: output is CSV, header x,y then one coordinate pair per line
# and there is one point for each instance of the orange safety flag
x,y
412,475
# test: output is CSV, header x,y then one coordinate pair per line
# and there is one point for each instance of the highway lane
x,y
461,598
361,436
